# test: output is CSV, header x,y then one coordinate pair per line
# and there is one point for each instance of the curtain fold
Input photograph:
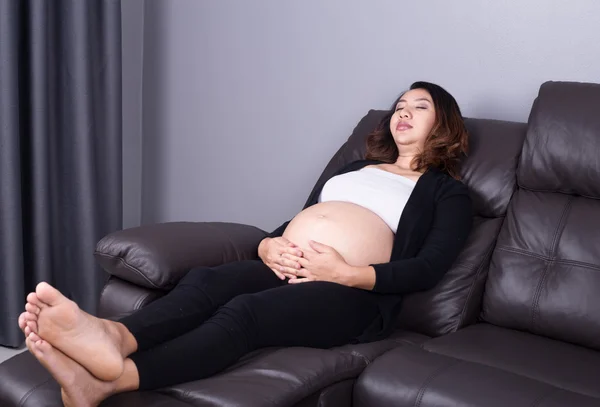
x,y
60,148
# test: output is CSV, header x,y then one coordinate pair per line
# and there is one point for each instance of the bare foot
x,y
92,342
78,387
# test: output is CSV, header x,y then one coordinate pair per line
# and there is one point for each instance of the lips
x,y
403,126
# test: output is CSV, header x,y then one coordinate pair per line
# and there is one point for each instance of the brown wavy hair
x,y
445,146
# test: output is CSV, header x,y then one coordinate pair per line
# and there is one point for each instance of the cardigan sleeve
x,y
450,228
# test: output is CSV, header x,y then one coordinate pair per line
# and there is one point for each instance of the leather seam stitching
x,y
541,398
557,191
431,377
535,309
138,303
537,295
129,266
508,370
30,392
398,341
547,258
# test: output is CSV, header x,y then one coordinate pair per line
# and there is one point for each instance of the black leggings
x,y
216,315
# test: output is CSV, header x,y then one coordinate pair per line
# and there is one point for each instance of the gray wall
x,y
244,102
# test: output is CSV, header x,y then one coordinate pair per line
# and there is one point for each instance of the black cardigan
x,y
432,231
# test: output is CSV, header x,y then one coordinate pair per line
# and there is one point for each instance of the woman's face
x,y
413,120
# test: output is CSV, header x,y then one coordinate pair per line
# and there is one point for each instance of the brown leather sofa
x,y
515,322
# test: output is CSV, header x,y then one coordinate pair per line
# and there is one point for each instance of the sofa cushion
x,y
456,300
25,383
410,376
544,275
272,376
560,364
284,377
281,377
144,399
490,168
560,153
336,395
120,298
157,256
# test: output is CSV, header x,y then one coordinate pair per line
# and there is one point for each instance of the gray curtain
x,y
60,148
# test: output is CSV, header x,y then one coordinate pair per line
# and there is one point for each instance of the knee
x,y
238,314
241,306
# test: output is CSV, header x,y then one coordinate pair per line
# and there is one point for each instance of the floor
x,y
7,353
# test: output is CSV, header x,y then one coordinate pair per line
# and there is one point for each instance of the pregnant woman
x,y
380,228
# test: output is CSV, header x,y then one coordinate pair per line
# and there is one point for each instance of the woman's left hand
x,y
324,264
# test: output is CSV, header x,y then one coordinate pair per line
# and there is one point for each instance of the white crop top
x,y
380,191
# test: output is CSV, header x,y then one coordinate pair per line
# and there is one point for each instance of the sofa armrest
x,y
159,255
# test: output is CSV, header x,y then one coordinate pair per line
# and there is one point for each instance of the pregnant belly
x,y
359,235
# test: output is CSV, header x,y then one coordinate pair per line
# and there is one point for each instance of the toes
x,y
27,319
30,317
29,344
33,299
39,347
33,347
48,295
27,331
22,321
43,346
34,309
32,325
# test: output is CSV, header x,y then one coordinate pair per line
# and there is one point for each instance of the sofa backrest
x,y
490,173
544,275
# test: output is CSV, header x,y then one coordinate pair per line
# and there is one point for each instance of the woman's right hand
x,y
270,251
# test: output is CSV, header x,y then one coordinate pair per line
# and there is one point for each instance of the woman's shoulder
x,y
446,185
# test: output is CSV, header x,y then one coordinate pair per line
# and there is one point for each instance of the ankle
x,y
127,342
129,380
121,337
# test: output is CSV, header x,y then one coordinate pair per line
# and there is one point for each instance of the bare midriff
x,y
359,235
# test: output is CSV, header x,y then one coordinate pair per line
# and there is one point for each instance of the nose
x,y
405,113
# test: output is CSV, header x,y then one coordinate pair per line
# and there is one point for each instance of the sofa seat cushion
x,y
560,364
267,377
25,383
286,376
483,365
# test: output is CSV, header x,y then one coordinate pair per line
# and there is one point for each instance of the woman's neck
x,y
405,161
